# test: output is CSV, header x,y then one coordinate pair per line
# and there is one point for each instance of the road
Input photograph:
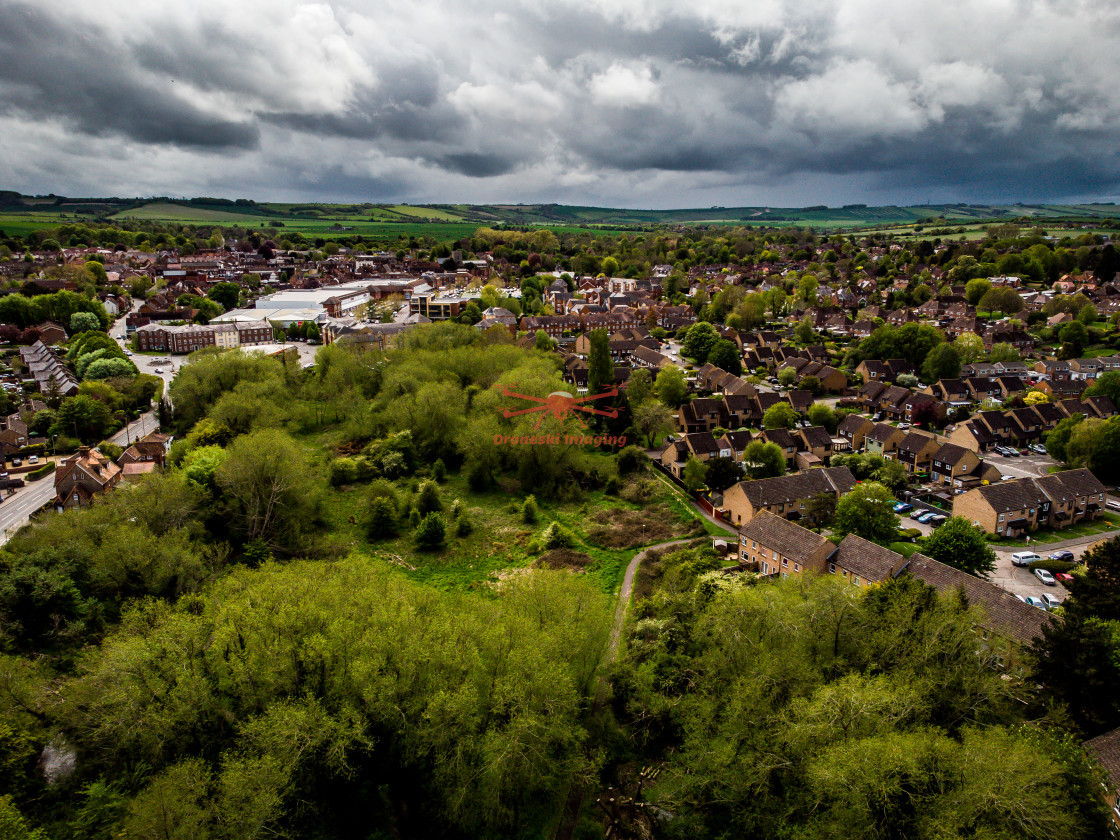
x,y
1025,466
16,510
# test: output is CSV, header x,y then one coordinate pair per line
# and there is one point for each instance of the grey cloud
x,y
450,111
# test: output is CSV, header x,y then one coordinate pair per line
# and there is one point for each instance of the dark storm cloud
x,y
50,69
611,101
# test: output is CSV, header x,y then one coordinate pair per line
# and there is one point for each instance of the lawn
x,y
1107,523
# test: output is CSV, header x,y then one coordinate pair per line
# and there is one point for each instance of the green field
x,y
164,212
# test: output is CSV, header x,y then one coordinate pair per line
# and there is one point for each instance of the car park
x,y
1051,601
1045,577
902,507
1066,556
1035,601
1024,558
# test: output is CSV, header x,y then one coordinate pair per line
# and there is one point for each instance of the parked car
x,y
926,517
1024,558
877,416
918,513
1064,578
902,507
158,370
17,462
34,459
1066,556
1051,601
1035,602
1112,504
904,425
938,519
1038,449
1045,577
1014,453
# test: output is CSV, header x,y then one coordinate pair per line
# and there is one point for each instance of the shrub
x,y
992,537
46,469
556,536
428,499
431,532
478,477
463,526
631,459
529,511
1055,567
612,487
343,471
439,471
382,519
910,533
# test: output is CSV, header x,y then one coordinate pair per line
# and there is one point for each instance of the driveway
x,y
1019,580
1025,466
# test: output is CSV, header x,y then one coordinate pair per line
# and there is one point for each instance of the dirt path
x,y
574,802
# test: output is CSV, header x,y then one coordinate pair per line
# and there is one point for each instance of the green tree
x,y
671,386
1004,352
807,289
653,419
699,341
1105,385
694,473
722,473
787,376
600,369
542,342
1002,299
975,289
83,322
803,332
431,533
639,387
1074,337
1057,439
943,362
780,415
867,511
267,478
1087,314
763,460
85,418
427,500
725,355
962,545
970,347
227,295
820,414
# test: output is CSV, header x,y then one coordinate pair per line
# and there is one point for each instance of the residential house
x,y
787,495
779,547
883,439
1106,750
152,448
700,415
853,429
915,451
1013,508
82,476
785,440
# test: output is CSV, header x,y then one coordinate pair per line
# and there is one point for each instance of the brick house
x,y
1016,507
786,495
780,547
1106,750
82,476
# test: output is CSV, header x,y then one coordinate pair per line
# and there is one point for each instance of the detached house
x,y
82,476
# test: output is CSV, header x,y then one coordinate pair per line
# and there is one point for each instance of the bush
x,y
110,450
431,532
529,511
343,471
1055,567
992,537
46,469
556,536
382,519
631,459
910,533
428,499
613,486
463,526
439,471
478,477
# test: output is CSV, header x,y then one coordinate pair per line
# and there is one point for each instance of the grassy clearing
x,y
1107,523
607,531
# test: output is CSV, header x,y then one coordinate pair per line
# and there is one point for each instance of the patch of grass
x,y
905,549
1107,523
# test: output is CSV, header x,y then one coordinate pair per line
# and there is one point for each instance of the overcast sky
x,y
636,103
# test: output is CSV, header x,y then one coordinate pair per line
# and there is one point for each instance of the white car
x,y
1024,558
1050,601
1045,577
157,370
34,459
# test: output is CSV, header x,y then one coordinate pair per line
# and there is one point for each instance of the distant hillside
x,y
312,215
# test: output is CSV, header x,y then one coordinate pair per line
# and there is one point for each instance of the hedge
x,y
1053,566
46,469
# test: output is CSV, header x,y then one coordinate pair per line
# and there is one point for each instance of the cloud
x,y
649,102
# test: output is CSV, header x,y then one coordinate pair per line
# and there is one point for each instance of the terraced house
x,y
789,496
1017,507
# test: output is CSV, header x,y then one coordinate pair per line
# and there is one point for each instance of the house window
x,y
855,579
832,568
1001,517
785,562
754,545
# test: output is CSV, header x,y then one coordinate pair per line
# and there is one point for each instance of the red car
x,y
1063,577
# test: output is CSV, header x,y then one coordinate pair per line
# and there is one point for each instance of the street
x,y
1025,466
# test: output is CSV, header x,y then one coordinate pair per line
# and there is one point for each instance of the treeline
x,y
819,709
